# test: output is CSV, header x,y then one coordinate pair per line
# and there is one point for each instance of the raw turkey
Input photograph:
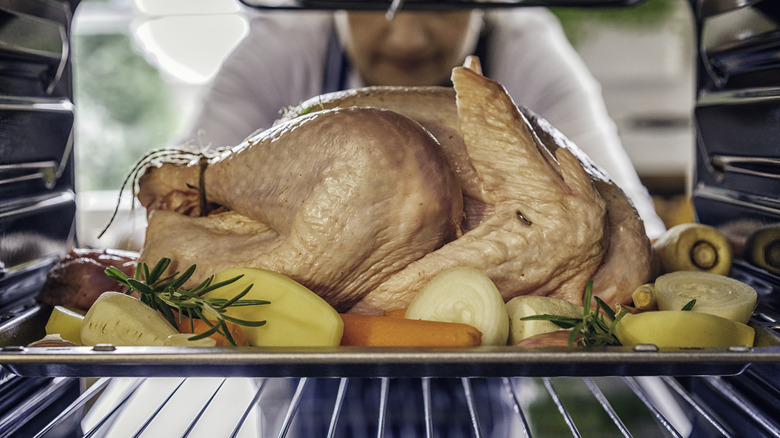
x,y
373,193
338,200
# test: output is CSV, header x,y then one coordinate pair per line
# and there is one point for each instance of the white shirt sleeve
x,y
530,55
278,64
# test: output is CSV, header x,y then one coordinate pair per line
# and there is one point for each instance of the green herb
x,y
166,295
291,112
303,112
689,306
595,326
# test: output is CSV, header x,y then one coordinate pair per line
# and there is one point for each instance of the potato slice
x,y
684,329
295,317
66,323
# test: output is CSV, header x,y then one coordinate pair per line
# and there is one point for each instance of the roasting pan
x,y
108,360
25,323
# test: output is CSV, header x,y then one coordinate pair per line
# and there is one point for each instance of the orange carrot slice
x,y
384,331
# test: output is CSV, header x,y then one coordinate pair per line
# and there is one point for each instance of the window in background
x,y
644,58
139,68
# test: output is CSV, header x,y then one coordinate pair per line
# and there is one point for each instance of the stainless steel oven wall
x,y
37,202
737,172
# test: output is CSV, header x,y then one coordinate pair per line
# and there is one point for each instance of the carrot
x,y
384,331
200,326
396,313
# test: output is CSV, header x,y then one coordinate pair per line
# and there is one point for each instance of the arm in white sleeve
x,y
532,58
277,65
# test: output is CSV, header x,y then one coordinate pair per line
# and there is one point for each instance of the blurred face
x,y
412,49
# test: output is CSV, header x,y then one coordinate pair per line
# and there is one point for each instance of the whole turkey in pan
x,y
373,192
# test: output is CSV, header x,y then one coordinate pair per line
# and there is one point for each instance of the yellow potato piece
x,y
66,323
683,329
295,317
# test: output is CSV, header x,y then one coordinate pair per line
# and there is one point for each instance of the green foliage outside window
x,y
577,22
123,109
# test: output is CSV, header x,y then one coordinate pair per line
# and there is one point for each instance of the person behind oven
x,y
288,57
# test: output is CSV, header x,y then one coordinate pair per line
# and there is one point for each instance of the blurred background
x,y
140,67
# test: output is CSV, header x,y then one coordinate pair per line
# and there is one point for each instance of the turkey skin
x,y
338,200
375,191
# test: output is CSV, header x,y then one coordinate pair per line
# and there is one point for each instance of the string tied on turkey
x,y
203,163
178,155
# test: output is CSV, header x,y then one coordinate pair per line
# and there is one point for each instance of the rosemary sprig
x,y
595,326
165,294
291,112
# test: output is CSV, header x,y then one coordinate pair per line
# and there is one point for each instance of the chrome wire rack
x,y
406,407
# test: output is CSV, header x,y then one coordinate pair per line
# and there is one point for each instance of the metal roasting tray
x,y
111,361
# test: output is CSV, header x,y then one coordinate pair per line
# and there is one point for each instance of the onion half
x,y
714,294
465,295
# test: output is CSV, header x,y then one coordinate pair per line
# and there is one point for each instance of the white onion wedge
x,y
465,295
714,294
523,306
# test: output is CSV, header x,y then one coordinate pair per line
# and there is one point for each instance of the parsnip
x,y
119,319
529,305
465,295
683,329
715,294
763,248
693,247
644,297
66,323
295,317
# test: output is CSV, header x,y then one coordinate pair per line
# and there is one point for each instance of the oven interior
x,y
735,188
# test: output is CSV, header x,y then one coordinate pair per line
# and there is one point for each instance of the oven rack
x,y
390,407
150,392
